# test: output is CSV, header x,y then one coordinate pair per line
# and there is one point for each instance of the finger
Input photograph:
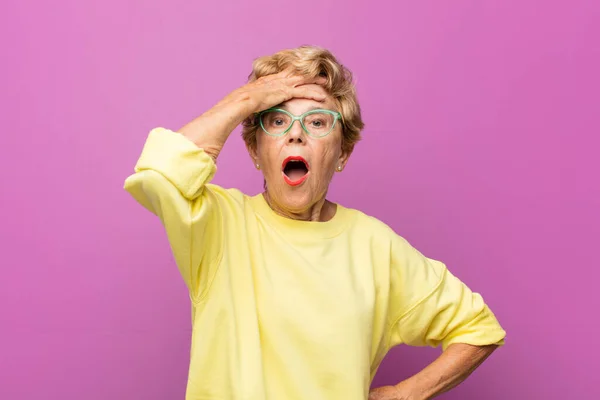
x,y
318,80
284,94
308,93
286,73
298,80
273,77
293,80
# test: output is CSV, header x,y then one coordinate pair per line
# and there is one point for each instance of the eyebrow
x,y
309,109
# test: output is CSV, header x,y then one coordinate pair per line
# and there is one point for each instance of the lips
x,y
295,170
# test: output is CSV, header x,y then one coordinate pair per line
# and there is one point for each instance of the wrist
x,y
212,129
409,391
238,107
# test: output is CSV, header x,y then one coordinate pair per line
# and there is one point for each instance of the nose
x,y
296,133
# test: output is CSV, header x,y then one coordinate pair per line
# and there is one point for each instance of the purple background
x,y
480,148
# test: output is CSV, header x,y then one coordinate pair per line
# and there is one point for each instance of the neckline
x,y
303,229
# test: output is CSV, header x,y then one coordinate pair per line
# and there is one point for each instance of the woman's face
x,y
294,188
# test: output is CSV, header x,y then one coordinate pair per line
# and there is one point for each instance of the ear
x,y
343,160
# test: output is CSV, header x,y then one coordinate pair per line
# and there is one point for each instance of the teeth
x,y
296,162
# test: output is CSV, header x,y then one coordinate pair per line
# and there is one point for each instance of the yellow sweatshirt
x,y
286,309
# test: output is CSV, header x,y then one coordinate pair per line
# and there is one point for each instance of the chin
x,y
295,200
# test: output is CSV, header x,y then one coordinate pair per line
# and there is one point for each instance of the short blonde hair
x,y
313,61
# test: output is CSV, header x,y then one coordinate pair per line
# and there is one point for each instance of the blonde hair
x,y
313,61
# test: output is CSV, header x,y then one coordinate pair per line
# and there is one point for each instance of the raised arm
x,y
173,171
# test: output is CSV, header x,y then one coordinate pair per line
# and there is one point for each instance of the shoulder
x,y
368,223
373,232
381,233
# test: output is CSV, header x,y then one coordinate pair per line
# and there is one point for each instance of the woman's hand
x,y
271,90
210,130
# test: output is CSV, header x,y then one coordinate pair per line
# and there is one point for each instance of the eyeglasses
x,y
316,123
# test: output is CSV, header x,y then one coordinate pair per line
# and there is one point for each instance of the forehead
x,y
299,105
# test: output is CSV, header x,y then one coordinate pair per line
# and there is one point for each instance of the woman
x,y
293,296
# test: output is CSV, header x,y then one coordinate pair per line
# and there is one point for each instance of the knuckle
x,y
283,91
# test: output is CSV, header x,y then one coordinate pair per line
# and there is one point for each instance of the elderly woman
x,y
294,296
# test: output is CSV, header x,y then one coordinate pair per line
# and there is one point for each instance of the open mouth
x,y
295,170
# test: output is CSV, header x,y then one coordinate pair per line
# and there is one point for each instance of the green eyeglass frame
x,y
300,118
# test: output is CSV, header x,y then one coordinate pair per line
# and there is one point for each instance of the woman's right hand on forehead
x,y
271,90
211,129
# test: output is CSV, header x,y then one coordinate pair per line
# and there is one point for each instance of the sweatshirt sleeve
x,y
429,306
170,180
